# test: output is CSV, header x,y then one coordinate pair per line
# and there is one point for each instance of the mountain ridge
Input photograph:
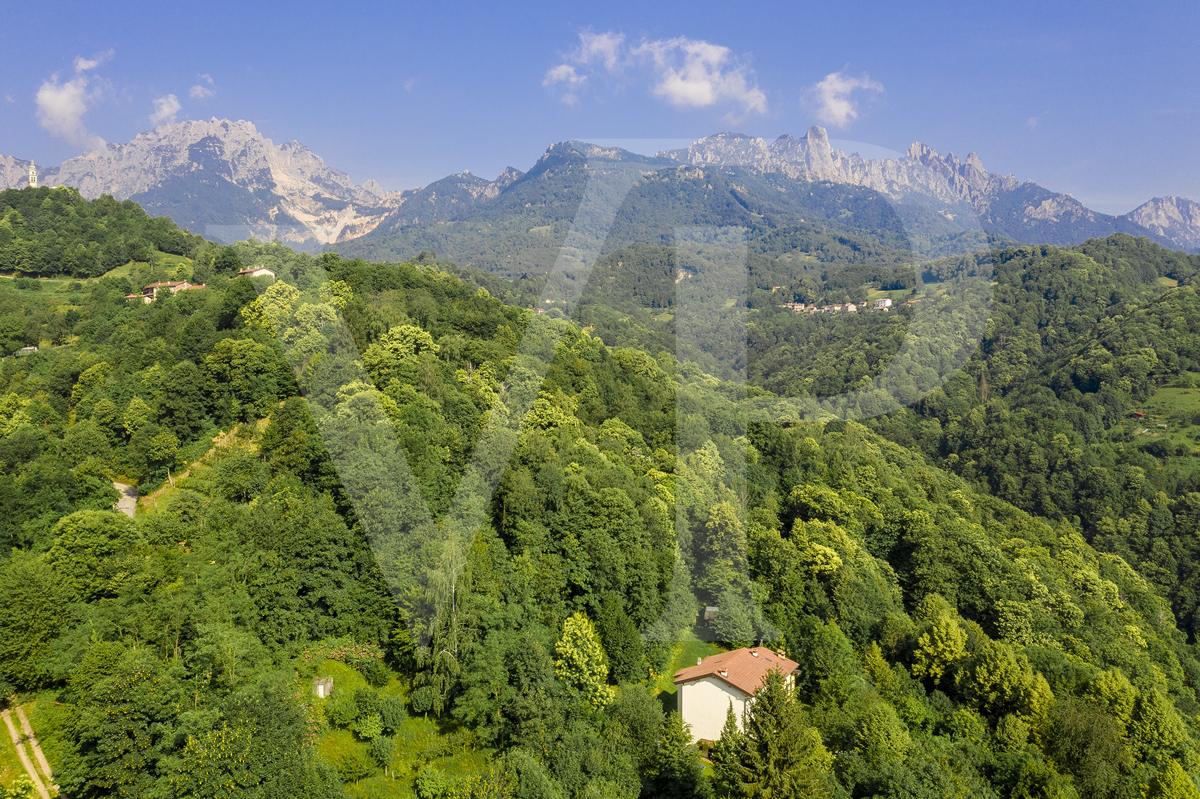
x,y
226,179
1003,204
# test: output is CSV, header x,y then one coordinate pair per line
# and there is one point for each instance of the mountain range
x,y
226,180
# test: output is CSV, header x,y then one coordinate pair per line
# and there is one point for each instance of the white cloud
x,y
84,64
165,109
699,74
1032,122
410,84
686,73
831,97
563,73
8,98
61,106
603,47
202,92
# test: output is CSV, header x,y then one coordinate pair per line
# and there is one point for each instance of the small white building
x,y
256,271
883,304
707,689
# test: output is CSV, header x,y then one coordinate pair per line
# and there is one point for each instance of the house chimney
x,y
754,652
698,660
724,672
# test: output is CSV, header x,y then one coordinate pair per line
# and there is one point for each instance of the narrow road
x,y
33,744
29,769
127,504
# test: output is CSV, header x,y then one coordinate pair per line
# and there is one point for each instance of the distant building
x,y
851,308
883,304
322,687
707,689
27,351
33,176
254,271
796,307
150,293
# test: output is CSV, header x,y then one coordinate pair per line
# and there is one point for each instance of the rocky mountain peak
x,y
1175,218
284,191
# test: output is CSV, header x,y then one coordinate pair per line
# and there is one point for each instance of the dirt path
x,y
35,746
127,504
29,769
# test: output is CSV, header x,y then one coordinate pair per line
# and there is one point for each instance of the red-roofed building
x,y
707,689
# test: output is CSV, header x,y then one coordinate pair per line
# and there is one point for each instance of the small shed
x,y
27,351
322,687
711,611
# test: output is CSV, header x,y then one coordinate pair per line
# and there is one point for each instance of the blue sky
x,y
1101,100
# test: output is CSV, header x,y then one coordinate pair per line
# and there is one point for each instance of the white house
x,y
707,689
883,304
256,271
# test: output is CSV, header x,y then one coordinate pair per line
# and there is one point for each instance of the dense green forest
x,y
955,637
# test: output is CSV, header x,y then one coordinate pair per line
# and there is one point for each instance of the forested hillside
x,y
950,643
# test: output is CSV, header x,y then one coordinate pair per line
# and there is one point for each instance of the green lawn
x,y
896,295
798,257
684,654
1173,398
49,720
173,267
10,764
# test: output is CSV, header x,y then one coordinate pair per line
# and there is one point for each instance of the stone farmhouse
x,y
149,293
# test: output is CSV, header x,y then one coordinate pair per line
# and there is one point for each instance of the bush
x,y
341,709
374,672
393,713
367,701
432,783
368,726
382,748
355,764
239,476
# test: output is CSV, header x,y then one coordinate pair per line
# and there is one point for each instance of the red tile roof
x,y
740,668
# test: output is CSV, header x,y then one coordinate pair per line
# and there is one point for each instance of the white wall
x,y
704,703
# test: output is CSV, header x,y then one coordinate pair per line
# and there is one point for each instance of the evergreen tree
x,y
677,765
777,754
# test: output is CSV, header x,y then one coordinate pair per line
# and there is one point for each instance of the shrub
x,y
382,748
367,701
393,713
375,673
341,709
368,726
355,764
